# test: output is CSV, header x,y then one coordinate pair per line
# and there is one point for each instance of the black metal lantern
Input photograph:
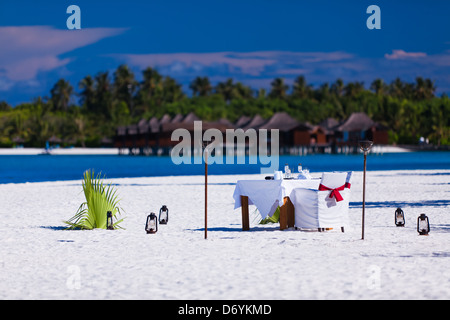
x,y
365,145
423,225
109,221
399,218
163,215
151,226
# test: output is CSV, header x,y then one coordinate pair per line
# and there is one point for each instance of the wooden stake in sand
x,y
206,149
206,193
365,146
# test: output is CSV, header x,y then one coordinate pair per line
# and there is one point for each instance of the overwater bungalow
x,y
242,121
285,124
359,126
154,136
306,134
253,123
328,126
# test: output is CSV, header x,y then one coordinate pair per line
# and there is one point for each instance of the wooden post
x,y
365,146
364,195
206,193
245,216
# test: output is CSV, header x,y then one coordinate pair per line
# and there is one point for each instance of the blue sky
x,y
249,41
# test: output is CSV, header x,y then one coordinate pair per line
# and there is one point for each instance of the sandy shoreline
x,y
59,151
115,151
39,260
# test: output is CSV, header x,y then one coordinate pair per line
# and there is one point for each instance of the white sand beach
x,y
59,151
40,260
377,149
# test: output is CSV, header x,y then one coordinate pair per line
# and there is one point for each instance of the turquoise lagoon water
x,y
25,168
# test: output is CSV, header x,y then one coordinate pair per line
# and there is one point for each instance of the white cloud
x,y
27,50
236,64
401,54
259,68
198,61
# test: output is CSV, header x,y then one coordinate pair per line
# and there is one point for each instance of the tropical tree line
x,y
87,115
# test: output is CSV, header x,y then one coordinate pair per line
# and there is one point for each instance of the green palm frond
x,y
99,200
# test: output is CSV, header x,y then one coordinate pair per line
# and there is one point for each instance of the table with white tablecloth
x,y
267,195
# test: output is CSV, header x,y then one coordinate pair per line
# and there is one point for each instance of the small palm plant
x,y
99,200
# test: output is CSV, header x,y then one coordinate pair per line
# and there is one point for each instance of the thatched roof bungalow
x,y
285,124
242,121
188,123
153,124
254,123
360,126
158,133
281,121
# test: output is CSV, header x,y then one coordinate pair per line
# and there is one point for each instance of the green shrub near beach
x,y
99,200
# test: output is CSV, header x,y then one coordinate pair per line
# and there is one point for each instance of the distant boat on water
x,y
47,151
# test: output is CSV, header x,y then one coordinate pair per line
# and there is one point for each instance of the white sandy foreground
x,y
40,260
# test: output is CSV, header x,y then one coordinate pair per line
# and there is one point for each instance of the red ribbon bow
x,y
334,192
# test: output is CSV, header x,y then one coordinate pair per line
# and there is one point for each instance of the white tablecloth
x,y
267,195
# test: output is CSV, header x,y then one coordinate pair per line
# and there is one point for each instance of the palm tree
x,y
152,82
352,89
378,86
172,91
431,88
226,89
19,126
279,89
301,89
396,88
150,89
261,93
323,93
60,94
423,89
124,85
87,84
338,88
103,94
243,91
80,125
201,86
230,90
37,122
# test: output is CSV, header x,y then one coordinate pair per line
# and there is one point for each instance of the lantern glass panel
x,y
423,226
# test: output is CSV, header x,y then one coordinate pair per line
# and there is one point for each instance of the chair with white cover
x,y
325,208
348,180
